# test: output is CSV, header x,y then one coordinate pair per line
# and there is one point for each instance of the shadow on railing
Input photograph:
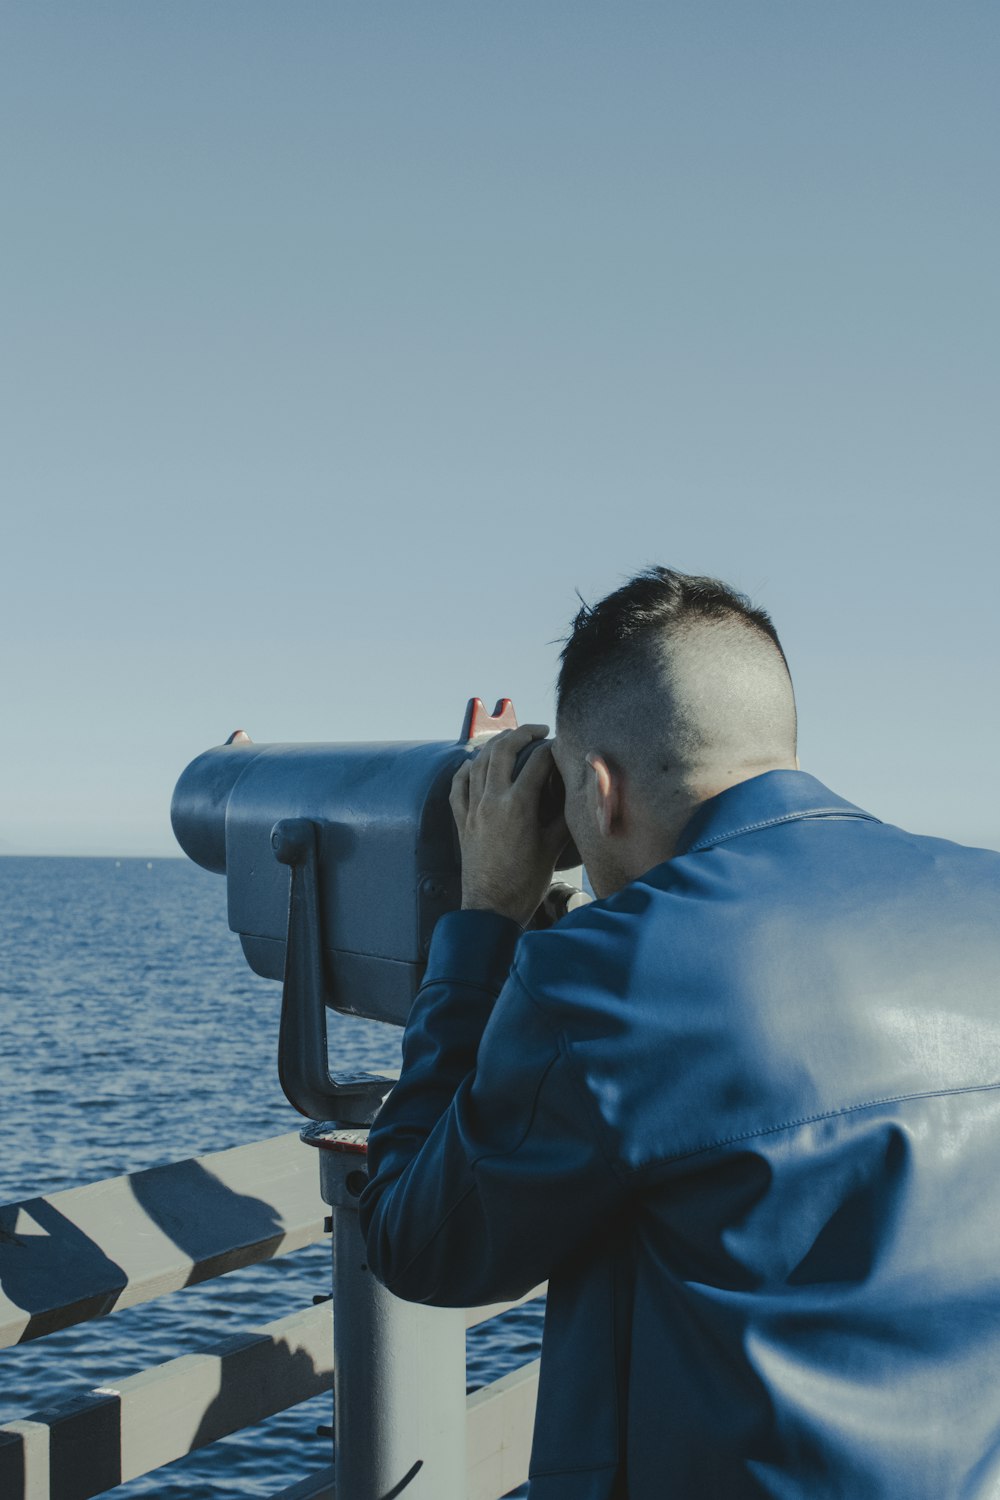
x,y
85,1252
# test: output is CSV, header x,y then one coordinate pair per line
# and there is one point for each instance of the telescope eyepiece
x,y
553,795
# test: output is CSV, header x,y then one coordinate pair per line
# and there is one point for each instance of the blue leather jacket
x,y
744,1115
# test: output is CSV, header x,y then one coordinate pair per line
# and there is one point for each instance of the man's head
x,y
671,689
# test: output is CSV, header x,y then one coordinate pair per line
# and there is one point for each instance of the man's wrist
x,y
498,908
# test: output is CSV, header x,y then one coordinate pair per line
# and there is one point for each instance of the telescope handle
x,y
348,1098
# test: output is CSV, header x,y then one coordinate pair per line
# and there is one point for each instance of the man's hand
x,y
508,856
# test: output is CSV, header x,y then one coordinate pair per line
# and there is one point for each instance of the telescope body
x,y
387,855
388,860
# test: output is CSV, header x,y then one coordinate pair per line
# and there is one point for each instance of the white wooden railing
x,y
86,1252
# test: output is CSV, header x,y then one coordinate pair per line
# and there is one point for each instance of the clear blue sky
x,y
343,341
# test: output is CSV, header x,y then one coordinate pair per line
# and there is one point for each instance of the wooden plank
x,y
80,1253
500,1422
118,1432
475,1315
76,1448
24,1461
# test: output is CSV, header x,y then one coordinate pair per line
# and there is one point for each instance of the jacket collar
x,y
761,802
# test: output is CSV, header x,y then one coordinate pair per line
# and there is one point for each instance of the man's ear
x,y
606,789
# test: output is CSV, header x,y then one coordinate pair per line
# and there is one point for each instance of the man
x,y
743,1111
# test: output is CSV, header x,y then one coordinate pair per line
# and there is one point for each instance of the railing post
x,y
398,1367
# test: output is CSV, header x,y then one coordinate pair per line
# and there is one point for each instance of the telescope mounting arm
x,y
347,1098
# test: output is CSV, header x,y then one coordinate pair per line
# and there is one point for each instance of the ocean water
x,y
135,1034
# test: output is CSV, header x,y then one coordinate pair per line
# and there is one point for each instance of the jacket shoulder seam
x,y
562,1050
512,1150
792,817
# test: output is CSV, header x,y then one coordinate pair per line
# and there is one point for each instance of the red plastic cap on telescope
x,y
239,737
479,725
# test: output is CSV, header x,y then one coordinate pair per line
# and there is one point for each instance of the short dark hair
x,y
655,601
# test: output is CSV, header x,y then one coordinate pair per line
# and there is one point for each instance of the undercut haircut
x,y
686,660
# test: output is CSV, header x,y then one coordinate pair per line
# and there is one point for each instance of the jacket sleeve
x,y
485,1162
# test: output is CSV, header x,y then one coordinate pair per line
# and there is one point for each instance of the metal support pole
x,y
398,1367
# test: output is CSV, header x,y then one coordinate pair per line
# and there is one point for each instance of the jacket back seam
x,y
827,1114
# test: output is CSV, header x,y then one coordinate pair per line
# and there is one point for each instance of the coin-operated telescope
x,y
369,837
